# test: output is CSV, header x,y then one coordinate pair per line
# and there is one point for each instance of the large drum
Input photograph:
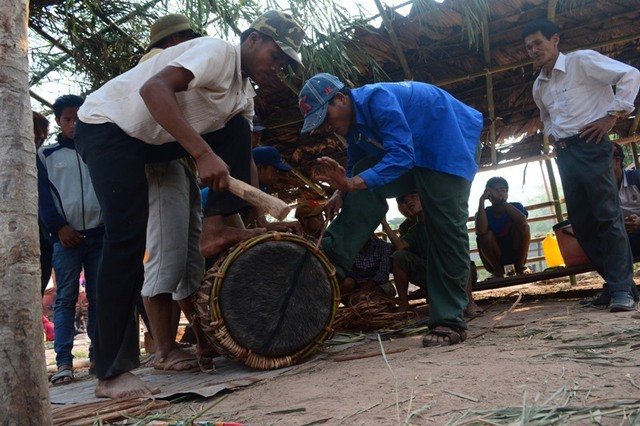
x,y
269,302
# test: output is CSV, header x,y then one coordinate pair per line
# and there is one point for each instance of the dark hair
x,y
497,180
345,91
401,198
40,127
246,33
546,27
66,101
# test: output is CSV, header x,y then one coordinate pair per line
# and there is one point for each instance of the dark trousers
x,y
46,253
116,163
444,199
593,204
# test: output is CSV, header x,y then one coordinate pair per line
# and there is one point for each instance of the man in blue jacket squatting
x,y
401,136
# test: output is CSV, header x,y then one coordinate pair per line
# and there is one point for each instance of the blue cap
x,y
269,156
314,99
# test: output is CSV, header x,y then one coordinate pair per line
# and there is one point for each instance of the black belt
x,y
565,143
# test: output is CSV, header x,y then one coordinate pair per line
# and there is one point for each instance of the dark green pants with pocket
x,y
444,200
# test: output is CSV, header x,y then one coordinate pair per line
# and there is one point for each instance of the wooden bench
x,y
559,272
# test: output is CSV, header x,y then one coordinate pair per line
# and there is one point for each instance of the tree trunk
x,y
24,392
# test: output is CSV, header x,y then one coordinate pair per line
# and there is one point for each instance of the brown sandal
x,y
455,337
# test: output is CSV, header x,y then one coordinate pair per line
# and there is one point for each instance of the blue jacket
x,y
411,124
65,192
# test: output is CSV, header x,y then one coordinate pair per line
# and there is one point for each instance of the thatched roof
x,y
440,49
471,48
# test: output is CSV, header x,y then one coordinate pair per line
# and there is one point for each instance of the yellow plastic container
x,y
551,249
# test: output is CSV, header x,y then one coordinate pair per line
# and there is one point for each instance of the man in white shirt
x,y
578,108
199,94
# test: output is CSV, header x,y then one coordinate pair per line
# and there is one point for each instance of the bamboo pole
x,y
551,15
388,25
486,48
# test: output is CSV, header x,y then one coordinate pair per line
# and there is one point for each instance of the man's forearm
x,y
482,223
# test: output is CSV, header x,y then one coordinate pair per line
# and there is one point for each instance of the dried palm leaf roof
x,y
476,53
471,48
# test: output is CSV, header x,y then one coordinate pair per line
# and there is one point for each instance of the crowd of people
x,y
122,179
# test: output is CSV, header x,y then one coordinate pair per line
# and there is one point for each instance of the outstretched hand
x,y
333,174
596,130
336,176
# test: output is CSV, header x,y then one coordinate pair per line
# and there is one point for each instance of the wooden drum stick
x,y
272,205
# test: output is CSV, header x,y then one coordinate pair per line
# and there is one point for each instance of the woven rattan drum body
x,y
269,302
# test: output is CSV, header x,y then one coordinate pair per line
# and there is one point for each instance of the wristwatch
x,y
617,114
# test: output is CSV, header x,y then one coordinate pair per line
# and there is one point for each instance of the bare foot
x,y
523,270
215,243
126,385
472,310
176,360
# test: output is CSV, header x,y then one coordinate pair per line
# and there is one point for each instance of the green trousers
x,y
444,200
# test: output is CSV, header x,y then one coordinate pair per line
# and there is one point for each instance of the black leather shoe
x,y
622,301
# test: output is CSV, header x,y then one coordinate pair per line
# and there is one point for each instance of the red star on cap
x,y
304,106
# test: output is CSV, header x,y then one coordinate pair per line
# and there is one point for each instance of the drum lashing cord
x,y
325,225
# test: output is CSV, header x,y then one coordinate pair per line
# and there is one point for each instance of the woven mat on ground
x,y
228,375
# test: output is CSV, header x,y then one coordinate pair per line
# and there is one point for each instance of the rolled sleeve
x,y
624,77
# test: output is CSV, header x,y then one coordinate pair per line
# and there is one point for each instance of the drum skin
x,y
269,302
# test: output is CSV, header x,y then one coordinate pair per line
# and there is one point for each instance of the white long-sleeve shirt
x,y
579,91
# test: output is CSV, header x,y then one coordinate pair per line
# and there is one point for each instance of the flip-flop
x,y
455,337
64,376
168,366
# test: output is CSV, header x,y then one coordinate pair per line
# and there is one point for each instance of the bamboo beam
x,y
311,184
40,99
515,162
525,62
388,25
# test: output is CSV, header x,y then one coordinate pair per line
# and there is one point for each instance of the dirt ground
x,y
544,356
